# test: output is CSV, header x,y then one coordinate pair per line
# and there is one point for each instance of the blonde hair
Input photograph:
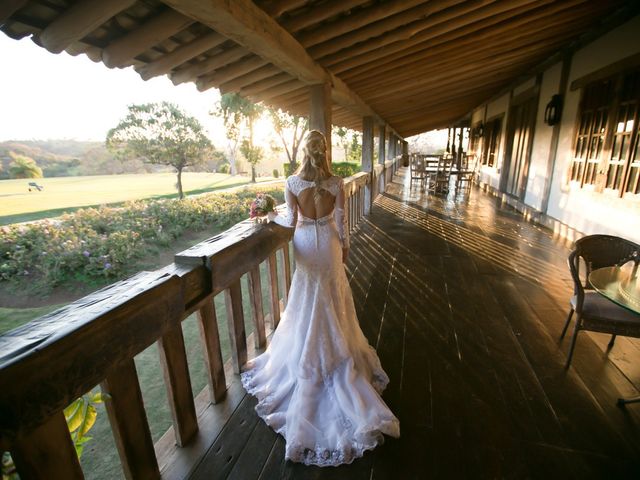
x,y
315,165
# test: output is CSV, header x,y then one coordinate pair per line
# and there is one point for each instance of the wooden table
x,y
621,285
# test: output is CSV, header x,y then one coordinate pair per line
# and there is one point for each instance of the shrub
x,y
345,169
276,174
224,168
103,242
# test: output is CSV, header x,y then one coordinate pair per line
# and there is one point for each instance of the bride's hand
x,y
345,254
271,216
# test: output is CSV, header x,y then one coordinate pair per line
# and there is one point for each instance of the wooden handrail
x,y
47,363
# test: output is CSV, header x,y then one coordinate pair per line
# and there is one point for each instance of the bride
x,y
318,384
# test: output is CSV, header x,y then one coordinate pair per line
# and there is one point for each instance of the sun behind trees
x,y
161,134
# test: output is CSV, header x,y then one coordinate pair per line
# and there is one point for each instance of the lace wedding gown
x,y
318,384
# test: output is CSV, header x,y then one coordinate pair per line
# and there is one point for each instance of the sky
x,y
48,96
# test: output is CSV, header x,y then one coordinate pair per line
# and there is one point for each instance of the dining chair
x,y
416,166
442,176
593,311
467,170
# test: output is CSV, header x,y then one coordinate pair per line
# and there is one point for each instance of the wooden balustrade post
x,y
273,289
47,452
286,262
173,358
210,338
367,162
257,311
128,419
235,322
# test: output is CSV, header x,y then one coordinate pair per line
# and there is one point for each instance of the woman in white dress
x,y
318,384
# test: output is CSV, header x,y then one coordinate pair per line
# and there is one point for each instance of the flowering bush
x,y
103,242
263,204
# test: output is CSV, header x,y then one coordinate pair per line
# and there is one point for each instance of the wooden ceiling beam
x,y
476,39
425,75
78,21
265,84
403,26
320,13
246,24
383,11
236,84
180,55
450,22
190,73
438,61
229,73
120,52
9,7
276,8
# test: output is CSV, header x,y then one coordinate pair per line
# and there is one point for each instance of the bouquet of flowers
x,y
263,204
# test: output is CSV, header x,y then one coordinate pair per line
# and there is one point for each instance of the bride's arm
x,y
341,221
291,217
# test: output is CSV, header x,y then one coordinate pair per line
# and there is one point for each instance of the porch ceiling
x,y
415,65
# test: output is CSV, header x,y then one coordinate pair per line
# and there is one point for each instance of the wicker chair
x,y
593,311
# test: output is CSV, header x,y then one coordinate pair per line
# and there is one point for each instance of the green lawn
x,y
61,194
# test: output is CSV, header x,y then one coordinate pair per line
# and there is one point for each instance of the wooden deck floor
x,y
465,302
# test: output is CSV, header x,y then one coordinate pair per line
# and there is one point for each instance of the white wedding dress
x,y
318,384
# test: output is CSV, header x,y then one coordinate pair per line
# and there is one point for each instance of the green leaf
x,y
74,414
89,420
96,398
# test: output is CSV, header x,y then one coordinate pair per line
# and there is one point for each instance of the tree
x,y
343,139
238,112
161,134
296,126
23,167
355,149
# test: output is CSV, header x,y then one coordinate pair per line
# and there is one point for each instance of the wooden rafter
x,y
120,52
79,20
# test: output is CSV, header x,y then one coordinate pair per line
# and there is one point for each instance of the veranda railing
x,y
51,361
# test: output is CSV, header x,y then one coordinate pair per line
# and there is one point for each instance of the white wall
x,y
542,139
499,106
580,208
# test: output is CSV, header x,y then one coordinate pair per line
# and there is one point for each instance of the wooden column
x,y
367,160
460,138
382,138
320,112
405,153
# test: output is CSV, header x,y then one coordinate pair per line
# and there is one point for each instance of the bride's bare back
x,y
310,208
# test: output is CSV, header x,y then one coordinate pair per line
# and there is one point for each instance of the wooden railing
x,y
51,361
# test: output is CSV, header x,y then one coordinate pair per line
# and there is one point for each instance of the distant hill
x,y
69,158
62,158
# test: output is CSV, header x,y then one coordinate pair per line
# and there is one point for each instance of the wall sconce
x,y
479,130
553,112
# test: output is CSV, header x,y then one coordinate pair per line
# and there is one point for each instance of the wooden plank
x,y
254,453
210,338
272,265
225,451
47,452
81,19
257,311
128,419
173,358
235,322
